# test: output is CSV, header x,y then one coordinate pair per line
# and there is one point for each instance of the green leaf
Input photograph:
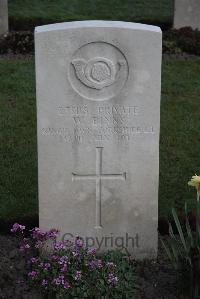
x,y
198,223
175,251
179,228
188,228
167,250
171,233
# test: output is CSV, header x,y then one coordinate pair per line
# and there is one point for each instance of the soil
x,y
155,279
12,271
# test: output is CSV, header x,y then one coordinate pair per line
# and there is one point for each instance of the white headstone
x,y
187,13
98,105
3,16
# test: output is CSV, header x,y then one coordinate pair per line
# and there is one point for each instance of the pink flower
x,y
111,265
66,285
39,244
63,260
75,253
91,251
78,242
95,264
33,274
112,279
56,281
53,233
59,280
63,269
17,227
60,245
38,234
42,236
33,260
24,245
44,282
77,275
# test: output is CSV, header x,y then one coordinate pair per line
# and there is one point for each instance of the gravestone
x,y
3,16
98,110
187,13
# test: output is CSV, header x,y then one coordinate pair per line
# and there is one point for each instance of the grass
x,y
18,155
179,142
180,133
26,13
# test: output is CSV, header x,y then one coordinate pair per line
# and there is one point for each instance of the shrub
x,y
17,43
170,47
186,39
174,42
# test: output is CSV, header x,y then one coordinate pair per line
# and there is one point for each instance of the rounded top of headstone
x,y
97,23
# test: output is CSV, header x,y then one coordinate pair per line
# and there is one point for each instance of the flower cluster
x,y
67,266
41,237
38,237
77,275
24,245
95,264
112,279
60,280
91,251
17,228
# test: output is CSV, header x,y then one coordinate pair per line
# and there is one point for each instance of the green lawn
x,y
18,157
179,144
180,133
26,13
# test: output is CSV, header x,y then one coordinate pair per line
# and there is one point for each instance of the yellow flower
x,y
195,181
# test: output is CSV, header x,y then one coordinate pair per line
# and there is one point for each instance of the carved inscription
x,y
106,123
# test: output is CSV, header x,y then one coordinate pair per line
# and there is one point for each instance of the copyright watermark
x,y
108,241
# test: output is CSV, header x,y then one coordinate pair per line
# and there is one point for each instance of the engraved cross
x,y
98,177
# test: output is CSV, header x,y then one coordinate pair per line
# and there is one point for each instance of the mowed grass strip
x,y
150,11
179,141
180,133
18,149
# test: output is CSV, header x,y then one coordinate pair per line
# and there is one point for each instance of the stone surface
x,y
3,16
187,13
98,105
